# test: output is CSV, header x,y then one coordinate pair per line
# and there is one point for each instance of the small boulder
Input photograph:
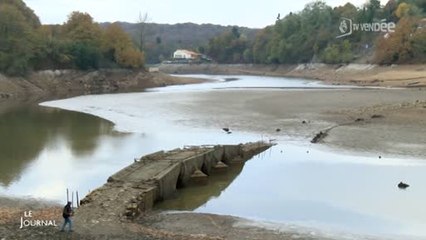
x,y
377,116
402,185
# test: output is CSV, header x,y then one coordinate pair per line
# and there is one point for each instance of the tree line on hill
x,y
80,43
161,40
310,36
303,37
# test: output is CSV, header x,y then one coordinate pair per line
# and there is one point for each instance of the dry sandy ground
x,y
155,226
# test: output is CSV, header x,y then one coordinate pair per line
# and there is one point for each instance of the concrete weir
x,y
155,177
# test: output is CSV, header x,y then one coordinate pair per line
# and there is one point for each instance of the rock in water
x,y
402,185
321,135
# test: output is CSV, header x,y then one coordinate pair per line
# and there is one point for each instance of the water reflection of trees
x,y
27,130
82,131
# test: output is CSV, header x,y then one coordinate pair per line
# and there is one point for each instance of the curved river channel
x,y
77,143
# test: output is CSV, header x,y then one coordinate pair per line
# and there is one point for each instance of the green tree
x,y
84,40
26,12
299,37
340,52
348,11
85,56
228,47
51,50
419,45
17,31
372,10
261,45
389,10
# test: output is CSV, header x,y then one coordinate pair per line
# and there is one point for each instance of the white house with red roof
x,y
185,54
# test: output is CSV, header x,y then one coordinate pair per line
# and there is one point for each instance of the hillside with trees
x,y
159,41
310,36
80,43
304,37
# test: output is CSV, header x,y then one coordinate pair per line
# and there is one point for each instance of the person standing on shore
x,y
66,214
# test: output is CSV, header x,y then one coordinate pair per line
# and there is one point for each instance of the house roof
x,y
187,52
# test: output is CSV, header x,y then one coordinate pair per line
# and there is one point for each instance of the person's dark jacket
x,y
67,211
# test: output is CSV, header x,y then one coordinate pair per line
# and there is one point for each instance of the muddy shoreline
x,y
409,76
55,84
48,85
386,122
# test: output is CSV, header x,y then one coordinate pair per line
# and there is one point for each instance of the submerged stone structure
x,y
155,177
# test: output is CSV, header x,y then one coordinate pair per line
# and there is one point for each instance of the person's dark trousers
x,y
69,222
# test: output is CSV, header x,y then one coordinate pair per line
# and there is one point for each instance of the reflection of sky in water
x,y
241,81
315,191
319,188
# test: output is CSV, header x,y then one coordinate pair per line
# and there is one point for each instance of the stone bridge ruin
x,y
155,177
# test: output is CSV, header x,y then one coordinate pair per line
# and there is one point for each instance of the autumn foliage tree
x,y
406,44
83,37
119,48
79,43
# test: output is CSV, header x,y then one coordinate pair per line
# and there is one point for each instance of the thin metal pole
x,y
72,199
68,197
78,201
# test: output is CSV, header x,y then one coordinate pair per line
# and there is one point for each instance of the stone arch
x,y
205,169
180,180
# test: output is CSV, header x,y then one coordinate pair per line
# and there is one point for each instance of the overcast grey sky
x,y
225,12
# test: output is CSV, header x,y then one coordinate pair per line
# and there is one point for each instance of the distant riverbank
x,y
51,84
352,74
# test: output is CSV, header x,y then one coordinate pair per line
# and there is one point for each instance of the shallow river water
x,y
45,150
